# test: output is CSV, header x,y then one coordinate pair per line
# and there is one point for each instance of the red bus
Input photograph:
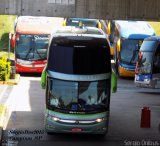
x,y
30,42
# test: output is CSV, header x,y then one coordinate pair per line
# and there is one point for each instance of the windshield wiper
x,y
134,55
28,53
39,54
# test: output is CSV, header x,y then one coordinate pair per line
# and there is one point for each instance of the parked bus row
x,y
32,34
76,63
31,37
126,38
77,74
137,52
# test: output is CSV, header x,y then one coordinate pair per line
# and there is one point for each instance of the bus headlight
x,y
23,62
99,120
55,118
147,80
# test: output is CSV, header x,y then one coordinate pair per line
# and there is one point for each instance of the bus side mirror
x,y
109,28
114,82
111,49
64,22
43,78
13,41
99,25
118,45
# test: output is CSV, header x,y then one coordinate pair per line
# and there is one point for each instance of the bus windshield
x,y
144,63
85,22
145,58
32,47
129,50
82,96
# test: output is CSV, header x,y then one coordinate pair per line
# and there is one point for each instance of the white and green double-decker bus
x,y
77,80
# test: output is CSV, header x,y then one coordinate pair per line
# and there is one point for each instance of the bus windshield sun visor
x,y
79,77
79,59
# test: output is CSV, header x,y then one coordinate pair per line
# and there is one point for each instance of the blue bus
x,y
77,80
148,64
126,38
85,21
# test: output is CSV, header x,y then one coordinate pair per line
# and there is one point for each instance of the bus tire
x,y
116,67
50,133
118,73
102,135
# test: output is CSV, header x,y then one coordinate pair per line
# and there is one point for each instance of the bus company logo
x,y
36,37
76,122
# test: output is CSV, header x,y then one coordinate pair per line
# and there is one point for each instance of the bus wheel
x,y
116,63
118,73
102,135
116,67
50,133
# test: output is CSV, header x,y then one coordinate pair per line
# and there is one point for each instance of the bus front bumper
x,y
125,72
29,69
97,126
147,84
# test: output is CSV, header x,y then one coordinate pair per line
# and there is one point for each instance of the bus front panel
x,y
76,123
31,52
77,104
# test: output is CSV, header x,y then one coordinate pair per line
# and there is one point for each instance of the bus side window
x,y
156,67
116,34
112,32
157,61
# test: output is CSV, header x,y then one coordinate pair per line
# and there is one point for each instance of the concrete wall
x,y
107,9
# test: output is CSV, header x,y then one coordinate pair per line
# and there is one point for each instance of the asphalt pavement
x,y
124,125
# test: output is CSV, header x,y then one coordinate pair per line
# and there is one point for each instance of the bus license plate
x,y
76,129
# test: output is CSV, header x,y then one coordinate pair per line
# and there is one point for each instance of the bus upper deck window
x,y
157,61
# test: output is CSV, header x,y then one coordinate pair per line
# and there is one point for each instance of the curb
x,y
1,135
3,111
3,106
12,81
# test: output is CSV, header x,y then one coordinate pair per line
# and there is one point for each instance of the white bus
x,y
77,79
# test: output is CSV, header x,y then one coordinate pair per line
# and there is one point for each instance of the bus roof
x,y
73,51
83,19
150,44
134,29
34,25
153,38
78,31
